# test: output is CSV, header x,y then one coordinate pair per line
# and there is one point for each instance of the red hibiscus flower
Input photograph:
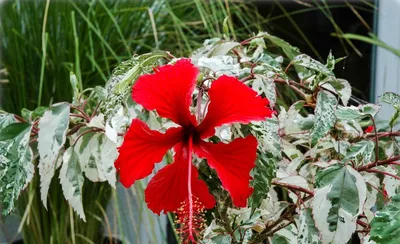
x,y
169,92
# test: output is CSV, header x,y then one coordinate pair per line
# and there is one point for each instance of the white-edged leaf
x,y
341,87
265,85
308,233
361,151
71,180
352,112
385,227
287,235
223,48
6,119
97,121
310,63
338,200
391,184
391,98
220,65
52,134
16,168
96,155
373,183
325,117
267,133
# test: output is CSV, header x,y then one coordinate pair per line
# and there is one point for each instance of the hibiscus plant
x,y
257,143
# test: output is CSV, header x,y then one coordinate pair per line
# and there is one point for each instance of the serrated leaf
x,y
338,200
32,115
269,154
6,119
52,135
361,151
325,117
385,227
71,180
96,155
267,133
391,98
16,168
288,49
268,65
340,87
310,63
394,118
263,173
352,112
123,77
390,183
265,85
331,61
220,65
373,183
308,233
287,235
223,48
222,239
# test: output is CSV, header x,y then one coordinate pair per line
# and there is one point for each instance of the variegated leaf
x,y
52,134
16,168
337,202
325,117
96,155
71,180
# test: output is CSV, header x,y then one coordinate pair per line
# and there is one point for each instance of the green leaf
x,y
352,112
16,168
220,65
338,200
222,239
287,235
52,135
391,98
394,100
361,151
288,49
6,119
223,48
340,87
123,77
32,115
394,118
331,61
97,154
308,233
268,64
385,227
263,173
265,85
325,117
312,64
71,180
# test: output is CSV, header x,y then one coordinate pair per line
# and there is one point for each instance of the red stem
x,y
382,162
383,172
293,187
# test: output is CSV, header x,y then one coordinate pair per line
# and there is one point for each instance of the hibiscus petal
x,y
168,188
232,101
233,163
168,91
141,149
